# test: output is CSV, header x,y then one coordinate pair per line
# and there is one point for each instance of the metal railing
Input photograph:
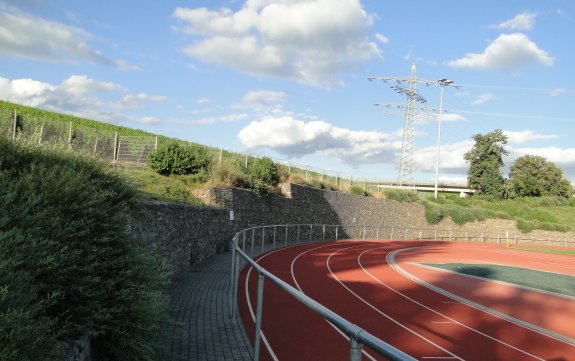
x,y
256,240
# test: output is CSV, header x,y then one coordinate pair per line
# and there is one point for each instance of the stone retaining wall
x,y
184,235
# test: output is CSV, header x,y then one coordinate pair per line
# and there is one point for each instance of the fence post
x,y
323,233
274,247
259,307
41,132
377,233
221,151
298,229
70,137
310,232
285,243
391,233
336,231
114,156
156,143
354,349
263,238
15,126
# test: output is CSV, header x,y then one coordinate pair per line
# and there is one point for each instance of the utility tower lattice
x,y
406,176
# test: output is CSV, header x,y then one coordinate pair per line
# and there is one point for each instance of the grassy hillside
x,y
228,169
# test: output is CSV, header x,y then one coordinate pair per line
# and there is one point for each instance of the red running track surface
x,y
429,314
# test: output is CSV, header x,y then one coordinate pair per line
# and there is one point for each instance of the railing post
x,y
323,233
235,289
336,232
263,238
259,307
310,232
285,243
391,237
354,349
363,236
377,233
253,240
298,229
274,247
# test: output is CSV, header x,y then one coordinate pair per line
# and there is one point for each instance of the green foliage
x,y
525,226
534,176
358,190
263,175
485,161
174,158
433,212
401,195
63,229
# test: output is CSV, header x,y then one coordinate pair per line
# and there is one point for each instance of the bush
x,y
173,158
358,190
433,213
401,195
263,174
525,226
63,228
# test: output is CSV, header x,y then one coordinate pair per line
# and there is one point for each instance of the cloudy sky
x,y
289,78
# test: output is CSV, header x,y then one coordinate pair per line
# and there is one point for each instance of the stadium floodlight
x,y
442,83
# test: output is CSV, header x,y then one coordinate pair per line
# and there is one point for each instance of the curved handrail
x,y
324,232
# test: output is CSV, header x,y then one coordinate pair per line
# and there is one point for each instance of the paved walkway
x,y
199,327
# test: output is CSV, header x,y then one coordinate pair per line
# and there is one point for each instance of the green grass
x,y
565,252
545,213
545,281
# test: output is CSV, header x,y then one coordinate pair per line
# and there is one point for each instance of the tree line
x,y
529,175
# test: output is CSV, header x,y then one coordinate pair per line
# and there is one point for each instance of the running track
x,y
429,314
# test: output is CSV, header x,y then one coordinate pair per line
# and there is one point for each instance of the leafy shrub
x,y
401,195
263,175
173,158
358,190
63,228
525,226
433,213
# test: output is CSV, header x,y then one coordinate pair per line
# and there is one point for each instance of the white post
x,y
15,127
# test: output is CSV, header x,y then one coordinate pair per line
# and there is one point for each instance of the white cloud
x,y
203,100
483,98
27,36
263,102
526,136
79,95
295,138
382,38
223,119
507,52
451,159
558,91
311,42
524,21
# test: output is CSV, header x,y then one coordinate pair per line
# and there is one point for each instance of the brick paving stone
x,y
198,326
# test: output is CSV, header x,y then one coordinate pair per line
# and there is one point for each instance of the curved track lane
x,y
428,314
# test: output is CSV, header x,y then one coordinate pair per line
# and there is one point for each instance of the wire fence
x,y
133,151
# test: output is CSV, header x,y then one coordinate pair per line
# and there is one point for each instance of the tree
x,y
485,161
533,176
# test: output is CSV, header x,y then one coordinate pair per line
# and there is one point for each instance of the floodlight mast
x,y
406,176
442,83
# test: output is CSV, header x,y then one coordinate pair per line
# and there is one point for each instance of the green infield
x,y
562,251
545,281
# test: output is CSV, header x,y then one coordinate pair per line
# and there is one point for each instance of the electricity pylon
x,y
406,176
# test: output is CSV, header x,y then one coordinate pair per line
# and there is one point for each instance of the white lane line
x,y
383,313
518,322
391,262
300,289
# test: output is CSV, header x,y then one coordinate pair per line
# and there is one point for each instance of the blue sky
x,y
288,78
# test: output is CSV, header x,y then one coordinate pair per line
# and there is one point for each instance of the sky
x,y
288,79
